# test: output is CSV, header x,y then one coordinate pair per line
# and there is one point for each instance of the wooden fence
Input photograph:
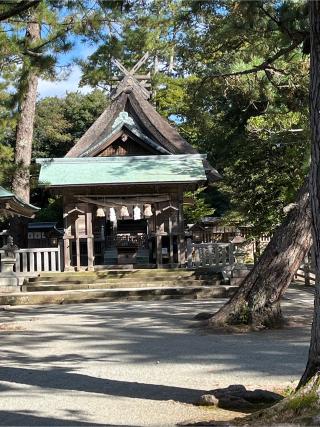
x,y
216,255
306,273
33,261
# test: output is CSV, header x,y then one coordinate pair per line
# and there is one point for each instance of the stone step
x,y
118,275
124,294
50,286
127,280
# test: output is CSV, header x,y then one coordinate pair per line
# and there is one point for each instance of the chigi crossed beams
x,y
130,78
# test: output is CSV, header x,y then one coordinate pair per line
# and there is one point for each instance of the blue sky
x,y
80,50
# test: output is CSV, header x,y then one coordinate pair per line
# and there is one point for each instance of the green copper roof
x,y
12,203
122,170
5,193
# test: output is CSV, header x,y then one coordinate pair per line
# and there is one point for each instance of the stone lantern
x,y
8,278
240,270
239,252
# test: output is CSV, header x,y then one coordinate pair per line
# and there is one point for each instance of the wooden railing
x,y
218,255
306,272
32,261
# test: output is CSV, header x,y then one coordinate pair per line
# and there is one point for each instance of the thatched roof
x,y
131,100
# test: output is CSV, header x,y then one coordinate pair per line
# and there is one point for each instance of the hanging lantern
x,y
100,212
112,215
136,213
147,211
124,212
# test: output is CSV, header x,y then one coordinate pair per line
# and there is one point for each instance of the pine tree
x,y
313,365
37,55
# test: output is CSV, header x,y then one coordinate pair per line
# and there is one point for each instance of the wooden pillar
x,y
158,236
182,250
159,250
66,253
181,237
89,241
66,242
189,253
77,245
170,240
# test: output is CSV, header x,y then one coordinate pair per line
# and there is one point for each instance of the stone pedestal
x,y
238,274
9,281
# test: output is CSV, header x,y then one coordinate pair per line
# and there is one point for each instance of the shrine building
x,y
123,184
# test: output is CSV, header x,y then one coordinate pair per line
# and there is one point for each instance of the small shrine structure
x,y
123,183
11,205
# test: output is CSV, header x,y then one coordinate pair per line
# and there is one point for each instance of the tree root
x,y
268,316
302,408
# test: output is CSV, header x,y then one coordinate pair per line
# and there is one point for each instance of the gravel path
x,y
135,363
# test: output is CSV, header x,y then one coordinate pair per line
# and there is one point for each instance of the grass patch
x,y
299,403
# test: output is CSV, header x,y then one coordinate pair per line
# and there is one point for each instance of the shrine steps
x,y
94,295
116,284
119,285
121,274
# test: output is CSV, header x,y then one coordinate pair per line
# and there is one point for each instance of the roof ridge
x,y
170,157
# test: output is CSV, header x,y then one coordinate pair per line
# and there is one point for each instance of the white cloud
x,y
59,88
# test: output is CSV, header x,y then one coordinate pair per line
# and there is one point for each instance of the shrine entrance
x,y
140,230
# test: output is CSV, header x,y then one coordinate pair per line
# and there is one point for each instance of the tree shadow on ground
x,y
59,379
141,333
77,348
28,418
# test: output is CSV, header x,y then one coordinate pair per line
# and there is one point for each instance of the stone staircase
x,y
112,285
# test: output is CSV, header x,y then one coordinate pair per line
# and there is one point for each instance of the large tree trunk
x,y
24,131
257,301
24,136
313,364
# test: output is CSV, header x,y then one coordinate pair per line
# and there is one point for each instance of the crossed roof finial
x,y
131,79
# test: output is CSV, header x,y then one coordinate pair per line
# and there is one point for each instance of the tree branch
x,y
36,51
266,65
20,7
279,23
283,28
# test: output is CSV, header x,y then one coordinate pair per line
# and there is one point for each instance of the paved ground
x,y
136,363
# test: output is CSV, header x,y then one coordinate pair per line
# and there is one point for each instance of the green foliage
x,y
7,124
253,126
198,207
289,390
51,132
271,168
303,402
52,211
60,122
6,165
242,316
